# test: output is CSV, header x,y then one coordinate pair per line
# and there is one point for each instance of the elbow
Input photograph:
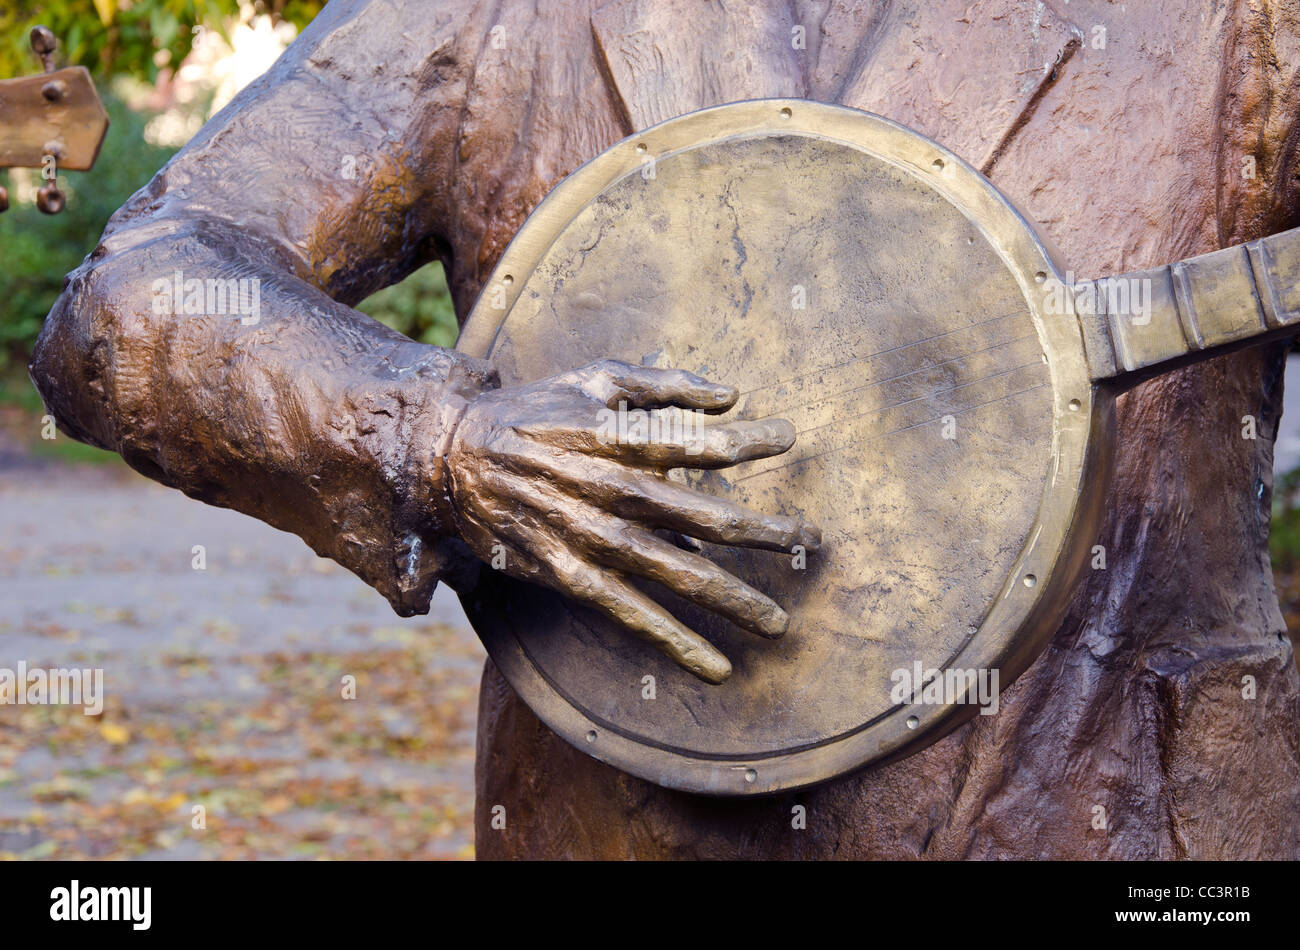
x,y
69,362
104,347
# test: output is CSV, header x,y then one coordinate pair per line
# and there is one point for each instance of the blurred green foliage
x,y
1284,532
1284,549
36,250
124,37
419,306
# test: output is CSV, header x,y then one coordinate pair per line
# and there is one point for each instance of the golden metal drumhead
x,y
855,278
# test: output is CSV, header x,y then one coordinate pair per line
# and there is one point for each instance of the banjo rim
x,y
1034,597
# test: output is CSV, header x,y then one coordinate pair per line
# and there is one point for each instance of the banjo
x,y
954,399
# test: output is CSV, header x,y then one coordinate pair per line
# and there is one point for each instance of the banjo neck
x,y
1149,322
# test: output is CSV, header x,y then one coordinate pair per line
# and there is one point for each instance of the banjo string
x,y
889,379
906,402
884,352
848,445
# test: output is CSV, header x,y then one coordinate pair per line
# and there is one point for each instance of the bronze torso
x,y
393,133
1129,155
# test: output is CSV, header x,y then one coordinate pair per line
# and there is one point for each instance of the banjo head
x,y
847,274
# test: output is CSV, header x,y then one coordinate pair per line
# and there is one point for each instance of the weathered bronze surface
x,y
854,277
542,489
953,429
1191,310
330,178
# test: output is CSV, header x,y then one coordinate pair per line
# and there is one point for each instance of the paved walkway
x,y
224,686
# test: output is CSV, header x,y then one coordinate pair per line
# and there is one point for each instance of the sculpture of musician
x,y
393,133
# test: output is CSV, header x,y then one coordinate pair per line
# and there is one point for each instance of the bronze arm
x,y
209,340
282,403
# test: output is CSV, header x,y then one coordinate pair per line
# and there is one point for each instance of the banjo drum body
x,y
954,424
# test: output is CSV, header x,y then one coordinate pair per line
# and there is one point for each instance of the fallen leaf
x,y
113,733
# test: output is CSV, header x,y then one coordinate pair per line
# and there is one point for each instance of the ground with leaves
x,y
224,686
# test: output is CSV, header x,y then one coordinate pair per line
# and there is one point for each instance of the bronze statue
x,y
391,134
955,433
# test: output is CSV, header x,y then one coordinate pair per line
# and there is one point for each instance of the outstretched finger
x,y
653,500
608,593
661,503
553,563
687,445
631,550
647,387
694,578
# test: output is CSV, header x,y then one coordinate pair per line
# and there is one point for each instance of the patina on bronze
x,y
954,404
52,120
320,421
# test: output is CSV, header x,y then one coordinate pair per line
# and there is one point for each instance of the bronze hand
x,y
532,473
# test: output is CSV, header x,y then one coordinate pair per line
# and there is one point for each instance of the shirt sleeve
x,y
210,339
